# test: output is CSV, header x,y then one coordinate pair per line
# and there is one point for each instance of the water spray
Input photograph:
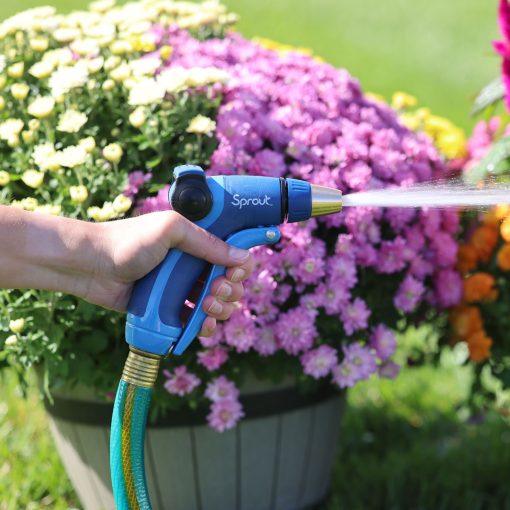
x,y
244,211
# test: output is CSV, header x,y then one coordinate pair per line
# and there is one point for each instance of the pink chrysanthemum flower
x,y
221,389
180,382
319,362
355,316
213,358
344,375
224,415
383,341
409,294
296,331
361,359
388,370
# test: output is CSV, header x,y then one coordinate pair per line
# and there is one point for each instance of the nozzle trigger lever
x,y
244,239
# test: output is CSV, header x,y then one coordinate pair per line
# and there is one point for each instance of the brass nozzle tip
x,y
141,368
325,200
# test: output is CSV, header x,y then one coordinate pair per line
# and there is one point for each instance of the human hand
x,y
131,248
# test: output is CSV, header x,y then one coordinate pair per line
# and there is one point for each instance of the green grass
x,y
438,50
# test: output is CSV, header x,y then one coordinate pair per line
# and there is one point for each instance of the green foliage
x,y
488,96
72,341
494,163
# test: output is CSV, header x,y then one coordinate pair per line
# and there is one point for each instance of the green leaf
x,y
495,162
96,341
490,94
154,162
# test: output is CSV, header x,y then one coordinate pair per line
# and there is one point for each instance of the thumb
x,y
196,241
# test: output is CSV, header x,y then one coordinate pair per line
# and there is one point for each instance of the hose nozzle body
x,y
243,210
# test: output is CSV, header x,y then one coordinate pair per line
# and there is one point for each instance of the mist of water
x,y
442,194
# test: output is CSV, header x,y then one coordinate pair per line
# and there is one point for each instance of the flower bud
x,y
16,70
39,44
121,204
78,194
20,91
5,178
113,152
17,326
28,136
108,85
165,52
13,141
137,118
10,341
89,144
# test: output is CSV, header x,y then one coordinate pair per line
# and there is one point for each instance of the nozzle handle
x,y
153,322
245,239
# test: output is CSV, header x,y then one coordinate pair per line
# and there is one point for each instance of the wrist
x,y
40,251
62,244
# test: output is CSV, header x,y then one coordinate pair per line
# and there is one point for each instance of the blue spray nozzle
x,y
242,210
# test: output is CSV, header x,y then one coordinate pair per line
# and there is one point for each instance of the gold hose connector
x,y
141,368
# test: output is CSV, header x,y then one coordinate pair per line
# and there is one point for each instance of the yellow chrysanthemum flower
x,y
39,44
201,125
41,70
71,121
402,100
33,178
41,107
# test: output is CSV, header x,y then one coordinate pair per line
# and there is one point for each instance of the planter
x,y
279,457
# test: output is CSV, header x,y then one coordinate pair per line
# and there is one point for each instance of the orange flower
x,y
467,257
480,287
479,345
501,211
505,229
465,320
491,219
503,257
484,241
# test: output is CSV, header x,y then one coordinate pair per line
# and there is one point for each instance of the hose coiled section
x,y
128,431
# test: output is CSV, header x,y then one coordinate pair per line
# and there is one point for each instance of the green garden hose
x,y
128,430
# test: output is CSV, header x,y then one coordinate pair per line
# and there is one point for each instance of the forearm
x,y
46,252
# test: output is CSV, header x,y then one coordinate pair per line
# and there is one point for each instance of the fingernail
x,y
238,275
215,307
238,254
224,291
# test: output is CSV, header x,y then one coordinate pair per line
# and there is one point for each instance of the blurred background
x,y
406,444
438,51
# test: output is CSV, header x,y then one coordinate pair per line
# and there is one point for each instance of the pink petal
x,y
506,81
504,19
